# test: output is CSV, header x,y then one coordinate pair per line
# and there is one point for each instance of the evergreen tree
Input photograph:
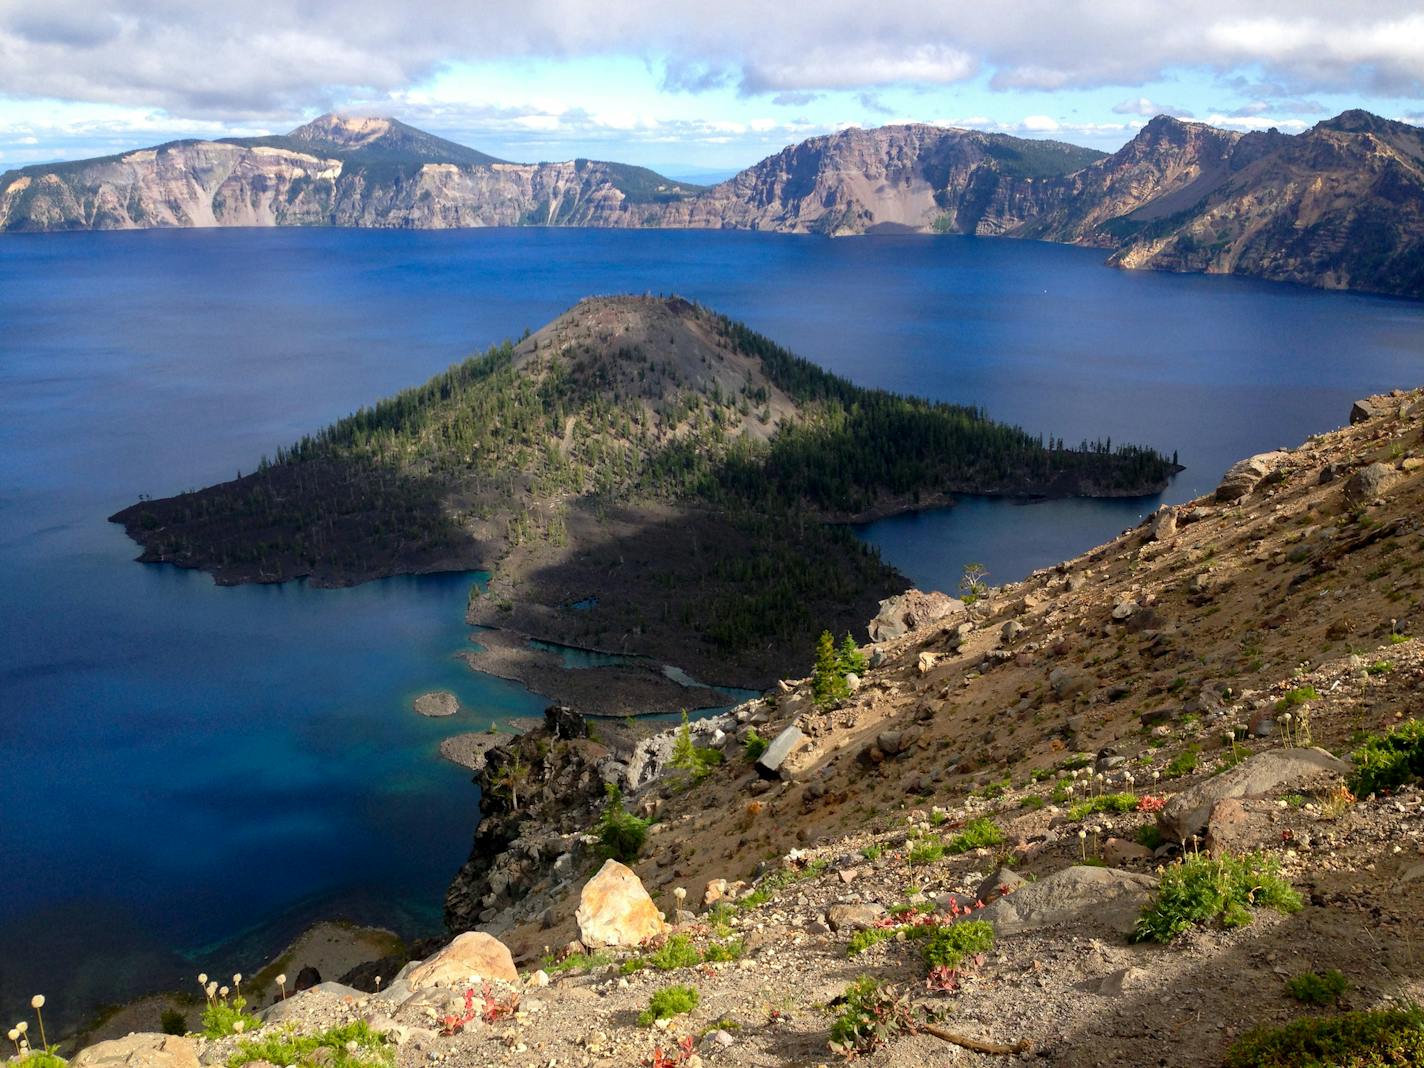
x,y
850,657
828,682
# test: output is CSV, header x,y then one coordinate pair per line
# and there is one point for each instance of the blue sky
x,y
690,88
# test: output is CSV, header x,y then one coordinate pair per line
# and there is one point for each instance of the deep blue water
x,y
190,772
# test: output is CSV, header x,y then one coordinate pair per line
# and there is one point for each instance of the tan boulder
x,y
615,910
472,956
140,1051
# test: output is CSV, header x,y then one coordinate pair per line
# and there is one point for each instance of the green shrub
x,y
1380,667
677,952
1386,761
1184,763
173,1022
977,834
755,745
38,1058
620,833
872,851
1317,988
863,939
870,1015
221,1017
1385,1038
575,962
1297,697
668,1002
1118,803
732,949
948,946
926,852
352,1045
1202,889
1150,836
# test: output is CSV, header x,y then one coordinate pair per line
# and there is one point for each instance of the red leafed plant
x,y
452,1024
491,1010
673,1057
1150,803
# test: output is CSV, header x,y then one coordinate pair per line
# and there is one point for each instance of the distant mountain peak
x,y
351,130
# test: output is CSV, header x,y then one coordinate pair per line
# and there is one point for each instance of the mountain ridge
x,y
1339,206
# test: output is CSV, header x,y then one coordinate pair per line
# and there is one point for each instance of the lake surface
x,y
192,773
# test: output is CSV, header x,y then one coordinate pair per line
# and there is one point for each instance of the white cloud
x,y
271,61
1147,108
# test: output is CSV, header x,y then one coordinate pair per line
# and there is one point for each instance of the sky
x,y
692,88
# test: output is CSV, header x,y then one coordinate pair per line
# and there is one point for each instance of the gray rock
x,y
1067,682
1082,895
1245,475
1003,881
913,609
1123,610
1365,409
1187,813
1011,630
853,917
1369,482
786,743
1163,523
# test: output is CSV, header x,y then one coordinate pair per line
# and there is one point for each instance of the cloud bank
x,y
269,60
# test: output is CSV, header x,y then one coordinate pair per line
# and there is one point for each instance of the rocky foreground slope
x,y
1021,776
1340,205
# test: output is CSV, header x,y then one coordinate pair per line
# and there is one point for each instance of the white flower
x,y
1082,834
13,1035
237,979
222,991
282,980
22,1026
37,1002
202,978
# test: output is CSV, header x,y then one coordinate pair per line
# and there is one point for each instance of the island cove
x,y
641,476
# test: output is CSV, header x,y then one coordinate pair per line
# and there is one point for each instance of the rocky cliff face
x,y
331,172
1340,206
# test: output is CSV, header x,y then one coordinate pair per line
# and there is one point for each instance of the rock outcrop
x,y
615,910
471,957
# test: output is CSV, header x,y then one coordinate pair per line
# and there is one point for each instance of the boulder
x,y
1003,881
1124,609
1067,682
471,957
1369,482
913,609
1082,895
1245,475
1188,812
786,743
1162,524
853,917
1365,409
140,1051
615,910
437,703
1010,630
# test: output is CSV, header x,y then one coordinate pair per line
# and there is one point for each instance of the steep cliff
x,y
335,172
1340,206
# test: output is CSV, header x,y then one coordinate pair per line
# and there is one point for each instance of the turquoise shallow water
x,y
190,772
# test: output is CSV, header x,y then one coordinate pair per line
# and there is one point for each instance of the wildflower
x,y
238,1026
14,1036
202,978
237,981
37,1003
222,991
282,982
378,984
1083,842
